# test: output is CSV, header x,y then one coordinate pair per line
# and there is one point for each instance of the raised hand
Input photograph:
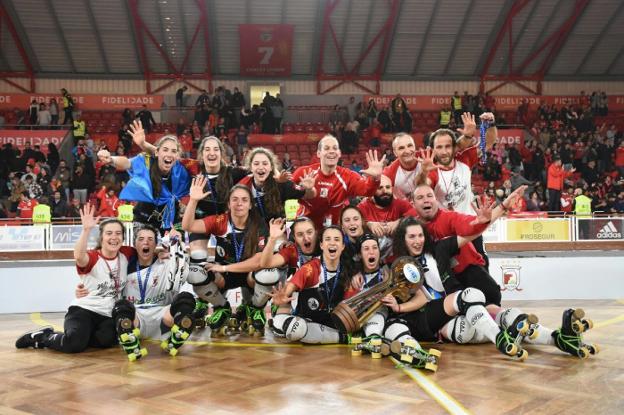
x,y
87,217
308,180
283,176
470,126
197,188
425,158
484,213
280,296
375,164
137,133
277,227
104,156
513,197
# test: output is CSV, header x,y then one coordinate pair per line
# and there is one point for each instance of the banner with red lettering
x,y
85,101
35,137
502,102
510,136
265,50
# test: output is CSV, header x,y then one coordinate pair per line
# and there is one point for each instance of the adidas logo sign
x,y
609,231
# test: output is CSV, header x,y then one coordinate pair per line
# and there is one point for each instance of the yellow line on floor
x,y
432,389
37,319
605,323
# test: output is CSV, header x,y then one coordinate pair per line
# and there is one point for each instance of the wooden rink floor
x,y
247,375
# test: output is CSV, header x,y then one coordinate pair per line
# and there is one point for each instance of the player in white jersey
x,y
103,271
152,303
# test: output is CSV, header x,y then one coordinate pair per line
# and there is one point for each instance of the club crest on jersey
x,y
313,304
510,277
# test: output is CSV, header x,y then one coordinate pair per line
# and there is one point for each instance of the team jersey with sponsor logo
x,y
452,187
403,180
105,278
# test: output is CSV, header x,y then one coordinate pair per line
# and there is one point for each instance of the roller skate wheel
x,y
523,327
186,323
244,325
232,322
533,334
376,342
356,340
136,332
385,349
164,345
431,366
522,355
143,352
356,352
125,323
579,313
532,319
407,358
132,357
511,349
589,324
411,343
173,352
435,352
583,352
593,348
183,335
251,330
223,331
376,355
126,337
578,327
396,347
259,333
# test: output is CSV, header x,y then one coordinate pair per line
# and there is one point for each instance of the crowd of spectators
x,y
591,158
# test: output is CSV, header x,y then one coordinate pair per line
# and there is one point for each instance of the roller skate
x,y
180,332
199,314
568,338
508,340
129,337
258,321
410,352
375,345
218,319
239,322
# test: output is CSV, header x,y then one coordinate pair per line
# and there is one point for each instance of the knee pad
x,y
123,309
197,274
459,330
375,324
267,277
396,329
209,293
469,297
183,303
293,327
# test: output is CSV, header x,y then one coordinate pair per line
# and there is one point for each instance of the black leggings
x,y
480,247
425,322
477,277
83,328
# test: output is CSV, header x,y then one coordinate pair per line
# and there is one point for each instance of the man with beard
x,y
383,211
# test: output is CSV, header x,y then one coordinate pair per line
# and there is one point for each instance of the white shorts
x,y
150,319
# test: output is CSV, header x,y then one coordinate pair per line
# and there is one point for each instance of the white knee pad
x,y
467,298
197,274
459,330
375,324
265,279
293,327
507,316
397,330
210,293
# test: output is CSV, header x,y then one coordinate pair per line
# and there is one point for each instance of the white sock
x,y
320,334
375,324
507,316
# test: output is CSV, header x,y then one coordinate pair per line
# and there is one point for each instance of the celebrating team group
x,y
351,232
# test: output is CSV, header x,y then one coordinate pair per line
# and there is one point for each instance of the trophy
x,y
406,274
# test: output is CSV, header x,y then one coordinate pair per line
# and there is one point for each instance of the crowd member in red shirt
x,y
109,202
442,223
619,158
335,185
383,211
26,206
566,200
556,175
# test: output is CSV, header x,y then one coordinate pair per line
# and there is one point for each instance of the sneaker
x,y
34,338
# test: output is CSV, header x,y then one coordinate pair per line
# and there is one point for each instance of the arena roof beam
x,y
59,30
425,40
458,37
352,75
601,36
614,61
98,38
29,73
391,39
183,25
563,34
508,59
134,34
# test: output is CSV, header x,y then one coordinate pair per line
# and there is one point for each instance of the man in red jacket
x,y
556,175
335,185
